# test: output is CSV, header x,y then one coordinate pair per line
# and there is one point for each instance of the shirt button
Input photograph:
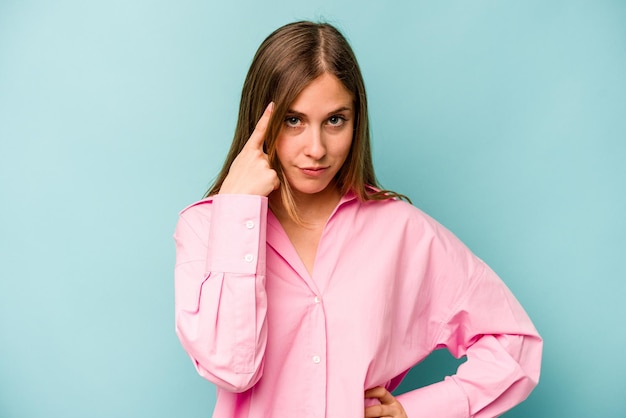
x,y
317,299
249,224
316,359
248,257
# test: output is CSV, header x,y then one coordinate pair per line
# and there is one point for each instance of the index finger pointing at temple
x,y
258,135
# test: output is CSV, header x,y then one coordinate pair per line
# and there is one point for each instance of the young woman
x,y
305,290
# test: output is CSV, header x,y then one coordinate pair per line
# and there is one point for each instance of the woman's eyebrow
x,y
341,109
292,112
338,110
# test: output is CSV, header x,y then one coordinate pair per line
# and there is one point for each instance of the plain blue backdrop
x,y
504,120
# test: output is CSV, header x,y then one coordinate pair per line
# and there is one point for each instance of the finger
x,y
276,183
381,394
258,135
378,411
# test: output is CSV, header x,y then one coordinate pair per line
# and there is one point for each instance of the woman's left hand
x,y
389,406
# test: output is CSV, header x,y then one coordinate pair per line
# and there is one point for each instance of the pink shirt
x,y
389,286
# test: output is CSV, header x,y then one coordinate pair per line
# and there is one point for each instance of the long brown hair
x,y
285,63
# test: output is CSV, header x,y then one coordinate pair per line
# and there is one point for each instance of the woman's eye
x,y
292,121
336,120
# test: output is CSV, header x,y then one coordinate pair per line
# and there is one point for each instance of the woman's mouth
x,y
313,171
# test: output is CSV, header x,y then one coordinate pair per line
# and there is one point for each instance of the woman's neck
x,y
314,209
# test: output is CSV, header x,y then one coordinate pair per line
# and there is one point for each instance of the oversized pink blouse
x,y
389,286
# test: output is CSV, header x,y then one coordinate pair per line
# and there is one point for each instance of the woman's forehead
x,y
325,93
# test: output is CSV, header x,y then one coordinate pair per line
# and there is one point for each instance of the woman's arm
x,y
221,303
503,349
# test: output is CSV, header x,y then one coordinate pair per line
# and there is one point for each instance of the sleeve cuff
x,y
237,234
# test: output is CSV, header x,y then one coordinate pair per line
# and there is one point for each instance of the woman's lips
x,y
313,171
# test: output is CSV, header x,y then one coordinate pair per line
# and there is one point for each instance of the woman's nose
x,y
315,146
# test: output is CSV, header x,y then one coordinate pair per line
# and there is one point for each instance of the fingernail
x,y
271,107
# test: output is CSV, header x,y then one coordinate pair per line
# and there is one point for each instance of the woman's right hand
x,y
250,172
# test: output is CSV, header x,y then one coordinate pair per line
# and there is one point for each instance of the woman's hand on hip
x,y
250,172
389,406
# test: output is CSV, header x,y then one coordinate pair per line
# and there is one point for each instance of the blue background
x,y
504,120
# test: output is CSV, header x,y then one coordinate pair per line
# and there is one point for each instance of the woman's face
x,y
316,135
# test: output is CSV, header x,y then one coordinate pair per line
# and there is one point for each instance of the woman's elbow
x,y
231,381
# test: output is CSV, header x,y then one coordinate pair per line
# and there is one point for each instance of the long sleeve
x,y
488,325
220,300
